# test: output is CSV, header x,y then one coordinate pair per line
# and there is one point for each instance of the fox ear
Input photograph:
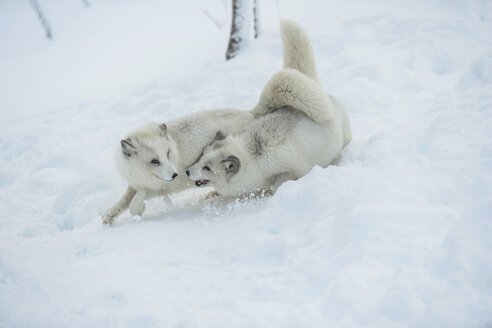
x,y
127,147
163,127
232,164
220,135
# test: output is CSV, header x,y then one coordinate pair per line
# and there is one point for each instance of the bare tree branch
x,y
42,18
215,21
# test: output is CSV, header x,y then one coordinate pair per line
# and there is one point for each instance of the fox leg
x,y
137,205
120,206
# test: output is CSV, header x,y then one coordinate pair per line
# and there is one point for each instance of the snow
x,y
397,235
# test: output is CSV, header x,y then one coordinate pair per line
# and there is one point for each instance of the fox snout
x,y
173,176
166,176
169,173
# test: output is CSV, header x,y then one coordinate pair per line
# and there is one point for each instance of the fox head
x,y
148,157
219,163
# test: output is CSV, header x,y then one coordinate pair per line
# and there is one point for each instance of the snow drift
x,y
398,234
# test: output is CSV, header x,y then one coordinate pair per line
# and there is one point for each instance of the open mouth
x,y
201,183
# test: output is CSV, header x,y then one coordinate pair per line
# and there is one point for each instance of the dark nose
x,y
187,172
175,175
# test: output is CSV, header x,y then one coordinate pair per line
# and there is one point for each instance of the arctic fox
x,y
153,158
297,127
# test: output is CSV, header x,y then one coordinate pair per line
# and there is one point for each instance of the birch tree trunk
x,y
241,22
256,17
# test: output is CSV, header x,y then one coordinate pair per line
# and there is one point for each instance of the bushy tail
x,y
297,84
298,52
292,88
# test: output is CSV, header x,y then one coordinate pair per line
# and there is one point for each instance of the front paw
x,y
109,216
137,207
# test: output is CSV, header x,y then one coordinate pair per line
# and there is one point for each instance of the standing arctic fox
x,y
298,126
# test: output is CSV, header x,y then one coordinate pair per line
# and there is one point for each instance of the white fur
x,y
298,52
298,126
185,139
283,145
292,88
296,86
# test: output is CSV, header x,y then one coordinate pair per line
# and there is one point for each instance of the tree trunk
x,y
241,16
256,17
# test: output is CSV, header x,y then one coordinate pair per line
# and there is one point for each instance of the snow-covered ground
x,y
399,234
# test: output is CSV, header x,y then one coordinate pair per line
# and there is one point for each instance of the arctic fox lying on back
x,y
298,126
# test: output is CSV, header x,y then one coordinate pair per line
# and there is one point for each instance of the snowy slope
x,y
397,235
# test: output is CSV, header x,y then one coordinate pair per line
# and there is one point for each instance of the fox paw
x,y
109,216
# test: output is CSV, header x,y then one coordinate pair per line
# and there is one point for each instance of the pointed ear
x,y
232,164
127,147
163,127
220,135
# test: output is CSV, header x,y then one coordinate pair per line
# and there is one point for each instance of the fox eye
x,y
168,152
155,162
206,168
